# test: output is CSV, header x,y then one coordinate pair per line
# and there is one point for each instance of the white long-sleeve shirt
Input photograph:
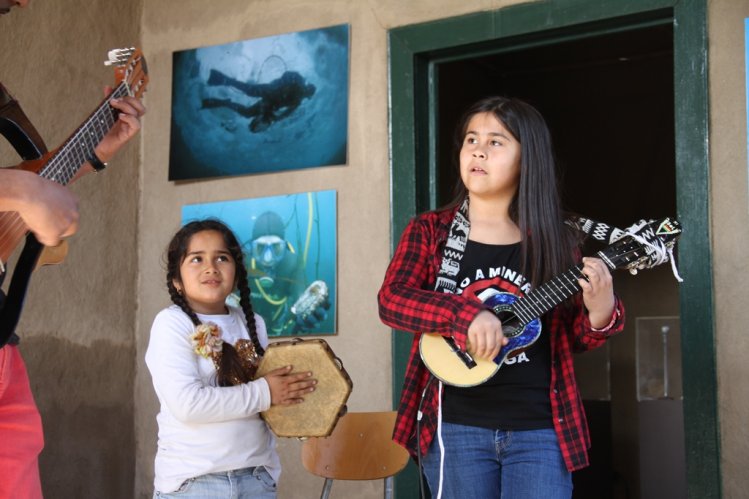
x,y
204,428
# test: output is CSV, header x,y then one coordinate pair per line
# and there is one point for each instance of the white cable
x,y
673,265
439,438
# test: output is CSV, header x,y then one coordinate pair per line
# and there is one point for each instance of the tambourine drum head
x,y
318,414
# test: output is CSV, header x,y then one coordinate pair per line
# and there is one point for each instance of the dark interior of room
x,y
608,101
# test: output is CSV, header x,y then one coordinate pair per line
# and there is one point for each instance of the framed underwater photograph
x,y
258,106
289,246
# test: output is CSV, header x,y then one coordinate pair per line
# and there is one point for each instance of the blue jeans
x,y
496,464
246,483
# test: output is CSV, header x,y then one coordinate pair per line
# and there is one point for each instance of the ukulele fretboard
x,y
547,296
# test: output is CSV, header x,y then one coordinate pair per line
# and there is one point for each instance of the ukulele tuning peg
x,y
118,56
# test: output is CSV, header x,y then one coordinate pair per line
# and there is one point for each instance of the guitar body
x,y
14,230
439,356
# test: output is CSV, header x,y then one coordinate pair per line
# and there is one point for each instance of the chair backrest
x,y
360,448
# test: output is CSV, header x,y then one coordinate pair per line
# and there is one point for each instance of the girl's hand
x,y
287,388
485,337
598,291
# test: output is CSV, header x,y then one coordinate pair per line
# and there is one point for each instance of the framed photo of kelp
x,y
289,247
258,106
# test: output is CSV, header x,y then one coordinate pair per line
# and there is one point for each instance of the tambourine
x,y
319,413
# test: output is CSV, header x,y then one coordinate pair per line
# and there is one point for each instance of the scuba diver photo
x,y
257,106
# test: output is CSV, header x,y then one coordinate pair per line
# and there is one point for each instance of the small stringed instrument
x,y
62,166
642,247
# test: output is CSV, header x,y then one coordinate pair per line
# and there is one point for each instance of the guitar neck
x,y
65,163
547,296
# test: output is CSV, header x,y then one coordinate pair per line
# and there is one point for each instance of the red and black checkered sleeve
x,y
585,337
407,300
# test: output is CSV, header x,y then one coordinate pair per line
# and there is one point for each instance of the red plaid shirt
x,y
407,301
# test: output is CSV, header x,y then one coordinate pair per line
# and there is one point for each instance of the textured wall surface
x,y
363,248
87,322
363,187
730,234
78,327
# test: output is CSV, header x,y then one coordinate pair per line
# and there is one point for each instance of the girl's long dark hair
x,y
230,366
547,244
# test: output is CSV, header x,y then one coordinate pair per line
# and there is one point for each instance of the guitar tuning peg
x,y
118,56
633,271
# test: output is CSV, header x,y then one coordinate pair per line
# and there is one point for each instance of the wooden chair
x,y
360,448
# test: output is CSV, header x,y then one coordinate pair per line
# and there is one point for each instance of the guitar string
x,y
59,168
658,253
78,148
62,161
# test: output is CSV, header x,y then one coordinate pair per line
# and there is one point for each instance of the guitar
x,y
62,166
645,245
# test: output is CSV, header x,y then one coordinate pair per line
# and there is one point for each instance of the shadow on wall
x,y
85,396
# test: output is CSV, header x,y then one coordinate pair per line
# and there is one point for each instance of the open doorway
x,y
631,174
609,102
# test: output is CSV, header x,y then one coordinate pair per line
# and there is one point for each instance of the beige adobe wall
x,y
175,25
363,187
730,234
78,324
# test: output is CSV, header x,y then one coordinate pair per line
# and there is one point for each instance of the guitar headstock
x,y
644,245
130,69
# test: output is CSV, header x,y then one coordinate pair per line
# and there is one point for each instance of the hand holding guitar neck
x,y
129,111
598,291
34,197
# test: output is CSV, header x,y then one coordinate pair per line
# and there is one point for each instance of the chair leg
x,y
389,487
326,488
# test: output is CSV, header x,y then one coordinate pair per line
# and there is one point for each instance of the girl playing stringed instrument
x,y
202,356
521,432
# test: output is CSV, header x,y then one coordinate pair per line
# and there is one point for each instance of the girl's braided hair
x,y
230,366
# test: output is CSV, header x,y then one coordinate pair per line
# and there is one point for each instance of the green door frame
x,y
415,52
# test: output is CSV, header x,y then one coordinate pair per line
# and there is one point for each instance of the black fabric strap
x,y
17,128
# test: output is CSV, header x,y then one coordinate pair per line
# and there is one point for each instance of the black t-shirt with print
x,y
517,396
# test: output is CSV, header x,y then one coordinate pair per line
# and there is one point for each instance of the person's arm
x,y
404,303
584,336
174,369
49,209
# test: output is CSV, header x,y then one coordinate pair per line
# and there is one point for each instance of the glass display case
x,y
658,349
